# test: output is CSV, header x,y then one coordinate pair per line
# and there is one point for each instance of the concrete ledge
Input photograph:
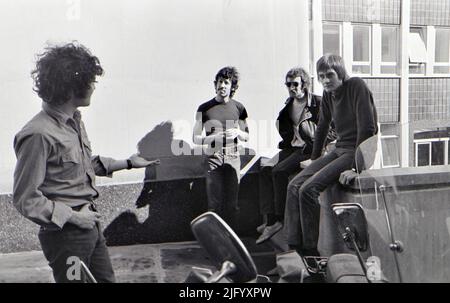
x,y
157,210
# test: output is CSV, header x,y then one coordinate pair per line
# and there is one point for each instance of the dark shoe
x,y
269,231
312,252
273,272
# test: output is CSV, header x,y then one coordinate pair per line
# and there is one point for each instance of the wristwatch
x,y
129,164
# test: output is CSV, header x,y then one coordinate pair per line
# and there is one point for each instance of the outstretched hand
x,y
138,162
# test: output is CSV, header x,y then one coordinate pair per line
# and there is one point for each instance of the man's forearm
x,y
116,165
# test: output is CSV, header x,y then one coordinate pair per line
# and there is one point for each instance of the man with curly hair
x,y
223,120
54,178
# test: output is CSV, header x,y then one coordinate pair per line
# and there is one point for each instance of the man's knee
x,y
308,191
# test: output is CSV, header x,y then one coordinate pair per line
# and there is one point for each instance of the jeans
x,y
302,215
222,185
88,246
274,179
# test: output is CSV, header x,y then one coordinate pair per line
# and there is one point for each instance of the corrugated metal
x,y
429,99
430,12
386,93
366,11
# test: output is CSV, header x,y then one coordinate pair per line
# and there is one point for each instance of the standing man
x,y
223,120
296,123
347,102
54,178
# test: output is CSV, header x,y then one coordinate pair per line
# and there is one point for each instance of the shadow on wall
x,y
175,193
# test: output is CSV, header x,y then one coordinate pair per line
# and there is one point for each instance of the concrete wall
x,y
158,208
159,57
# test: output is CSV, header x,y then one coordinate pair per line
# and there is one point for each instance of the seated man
x,y
296,124
347,102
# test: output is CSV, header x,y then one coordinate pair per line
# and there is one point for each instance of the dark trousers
x,y
63,248
302,204
274,179
222,186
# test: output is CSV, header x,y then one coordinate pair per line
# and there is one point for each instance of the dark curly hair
x,y
63,71
229,72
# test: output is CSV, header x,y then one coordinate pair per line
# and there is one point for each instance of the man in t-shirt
x,y
223,120
347,102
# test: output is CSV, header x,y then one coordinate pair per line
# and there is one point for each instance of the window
x,y
390,149
361,49
389,50
432,151
417,51
332,39
442,51
437,153
423,154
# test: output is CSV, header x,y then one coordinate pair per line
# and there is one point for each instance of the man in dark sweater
x,y
347,102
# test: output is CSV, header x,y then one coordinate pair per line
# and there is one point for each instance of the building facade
x,y
401,49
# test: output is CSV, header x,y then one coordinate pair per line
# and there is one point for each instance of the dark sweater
x,y
354,114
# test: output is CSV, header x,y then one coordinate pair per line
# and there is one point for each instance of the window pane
x,y
416,49
389,44
390,151
423,154
442,52
437,153
331,39
389,69
417,68
361,69
442,69
361,43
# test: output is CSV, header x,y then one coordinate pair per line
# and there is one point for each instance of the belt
x,y
229,149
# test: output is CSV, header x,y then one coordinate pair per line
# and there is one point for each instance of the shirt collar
x,y
290,99
60,116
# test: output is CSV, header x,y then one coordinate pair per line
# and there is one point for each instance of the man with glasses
x,y
296,124
223,120
347,102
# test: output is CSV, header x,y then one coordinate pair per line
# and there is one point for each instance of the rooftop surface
x,y
147,263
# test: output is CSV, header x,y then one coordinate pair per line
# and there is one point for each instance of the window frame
x,y
339,25
383,137
421,31
389,63
363,63
429,142
439,63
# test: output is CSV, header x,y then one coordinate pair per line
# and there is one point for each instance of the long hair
x,y
65,71
335,62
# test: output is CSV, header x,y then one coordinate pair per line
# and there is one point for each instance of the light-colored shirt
x,y
296,113
55,170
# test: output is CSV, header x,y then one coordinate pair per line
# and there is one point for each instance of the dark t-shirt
x,y
220,116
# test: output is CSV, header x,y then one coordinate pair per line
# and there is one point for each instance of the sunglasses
x,y
295,84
